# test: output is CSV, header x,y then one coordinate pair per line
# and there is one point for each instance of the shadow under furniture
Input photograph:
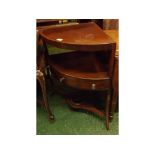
x,y
88,67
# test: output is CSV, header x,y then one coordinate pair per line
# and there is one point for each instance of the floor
x,y
71,122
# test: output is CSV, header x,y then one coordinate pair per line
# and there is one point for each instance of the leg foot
x,y
51,117
41,80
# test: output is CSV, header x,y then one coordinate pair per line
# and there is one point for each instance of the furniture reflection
x,y
40,73
88,67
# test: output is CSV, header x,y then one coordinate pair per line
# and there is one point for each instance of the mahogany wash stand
x,y
89,66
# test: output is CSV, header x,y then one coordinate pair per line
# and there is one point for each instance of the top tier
x,y
83,37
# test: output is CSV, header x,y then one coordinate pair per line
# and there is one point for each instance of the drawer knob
x,y
93,86
61,79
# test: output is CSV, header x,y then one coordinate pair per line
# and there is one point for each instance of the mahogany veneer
x,y
83,37
89,67
40,75
80,70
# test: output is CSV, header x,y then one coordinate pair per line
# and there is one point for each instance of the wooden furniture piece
x,y
88,67
99,22
40,73
111,24
114,35
50,22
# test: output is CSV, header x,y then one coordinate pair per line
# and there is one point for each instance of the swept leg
x,y
41,79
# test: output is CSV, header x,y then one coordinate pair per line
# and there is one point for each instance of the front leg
x,y
41,79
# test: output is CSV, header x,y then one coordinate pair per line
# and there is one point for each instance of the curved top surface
x,y
87,34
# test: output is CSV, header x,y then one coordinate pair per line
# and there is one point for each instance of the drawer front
x,y
88,84
85,84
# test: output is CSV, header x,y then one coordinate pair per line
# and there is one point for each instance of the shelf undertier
x,y
80,65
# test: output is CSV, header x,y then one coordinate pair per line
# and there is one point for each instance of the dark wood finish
x,y
99,22
41,78
46,22
114,103
80,70
85,106
82,37
85,68
57,25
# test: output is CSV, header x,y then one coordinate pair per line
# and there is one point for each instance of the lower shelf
x,y
81,70
85,106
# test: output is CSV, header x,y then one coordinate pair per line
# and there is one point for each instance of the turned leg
x,y
107,104
41,79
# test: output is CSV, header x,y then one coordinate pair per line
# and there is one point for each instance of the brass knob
x,y
93,86
61,79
